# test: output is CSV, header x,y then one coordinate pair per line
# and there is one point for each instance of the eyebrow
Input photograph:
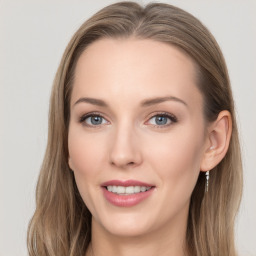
x,y
145,103
157,100
92,101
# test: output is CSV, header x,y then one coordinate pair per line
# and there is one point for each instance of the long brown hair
x,y
61,224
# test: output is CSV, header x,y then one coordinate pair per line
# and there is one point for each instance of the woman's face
x,y
136,135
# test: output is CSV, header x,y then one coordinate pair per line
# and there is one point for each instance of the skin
x,y
130,144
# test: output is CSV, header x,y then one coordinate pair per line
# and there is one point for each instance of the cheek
x,y
176,160
85,157
84,151
177,157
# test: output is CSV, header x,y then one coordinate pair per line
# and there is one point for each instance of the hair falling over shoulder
x,y
61,224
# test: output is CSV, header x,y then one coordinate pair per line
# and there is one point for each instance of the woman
x,y
143,156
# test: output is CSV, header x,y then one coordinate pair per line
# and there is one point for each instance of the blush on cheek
x,y
178,160
80,150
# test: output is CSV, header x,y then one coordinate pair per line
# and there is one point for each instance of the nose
x,y
125,148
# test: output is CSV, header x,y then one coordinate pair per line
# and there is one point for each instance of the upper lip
x,y
126,183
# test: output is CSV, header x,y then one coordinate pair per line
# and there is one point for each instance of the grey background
x,y
33,35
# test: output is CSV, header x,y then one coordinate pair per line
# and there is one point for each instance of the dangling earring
x,y
207,176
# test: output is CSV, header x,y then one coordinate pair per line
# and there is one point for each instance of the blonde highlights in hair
x,y
61,224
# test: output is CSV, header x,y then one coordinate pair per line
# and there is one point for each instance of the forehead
x,y
134,68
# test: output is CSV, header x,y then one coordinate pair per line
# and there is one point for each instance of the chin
x,y
126,225
127,231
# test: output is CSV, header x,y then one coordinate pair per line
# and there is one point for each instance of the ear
x,y
70,164
217,141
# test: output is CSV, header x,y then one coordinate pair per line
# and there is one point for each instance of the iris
x,y
161,120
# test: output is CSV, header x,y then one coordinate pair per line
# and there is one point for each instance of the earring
x,y
207,176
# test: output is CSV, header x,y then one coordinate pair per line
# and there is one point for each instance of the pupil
x,y
161,120
96,120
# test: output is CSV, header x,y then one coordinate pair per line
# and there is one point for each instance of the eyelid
x,y
172,117
91,114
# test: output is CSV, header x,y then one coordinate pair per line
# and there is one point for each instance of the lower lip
x,y
126,200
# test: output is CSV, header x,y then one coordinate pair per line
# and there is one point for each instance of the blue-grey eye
x,y
160,120
94,120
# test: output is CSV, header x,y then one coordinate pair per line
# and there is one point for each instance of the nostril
x,y
128,164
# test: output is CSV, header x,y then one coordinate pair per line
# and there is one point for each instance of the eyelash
x,y
171,117
92,114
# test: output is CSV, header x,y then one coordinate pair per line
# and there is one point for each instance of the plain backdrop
x,y
33,36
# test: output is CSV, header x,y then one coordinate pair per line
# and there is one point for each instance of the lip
x,y
126,183
126,200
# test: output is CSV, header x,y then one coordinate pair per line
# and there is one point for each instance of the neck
x,y
165,241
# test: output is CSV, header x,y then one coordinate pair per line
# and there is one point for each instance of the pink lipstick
x,y
126,193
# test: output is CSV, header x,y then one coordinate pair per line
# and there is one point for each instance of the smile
x,y
126,193
121,190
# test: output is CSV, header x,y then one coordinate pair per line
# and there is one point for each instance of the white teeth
x,y
127,190
136,189
143,189
120,190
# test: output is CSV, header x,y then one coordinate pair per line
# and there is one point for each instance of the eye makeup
x,y
157,119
